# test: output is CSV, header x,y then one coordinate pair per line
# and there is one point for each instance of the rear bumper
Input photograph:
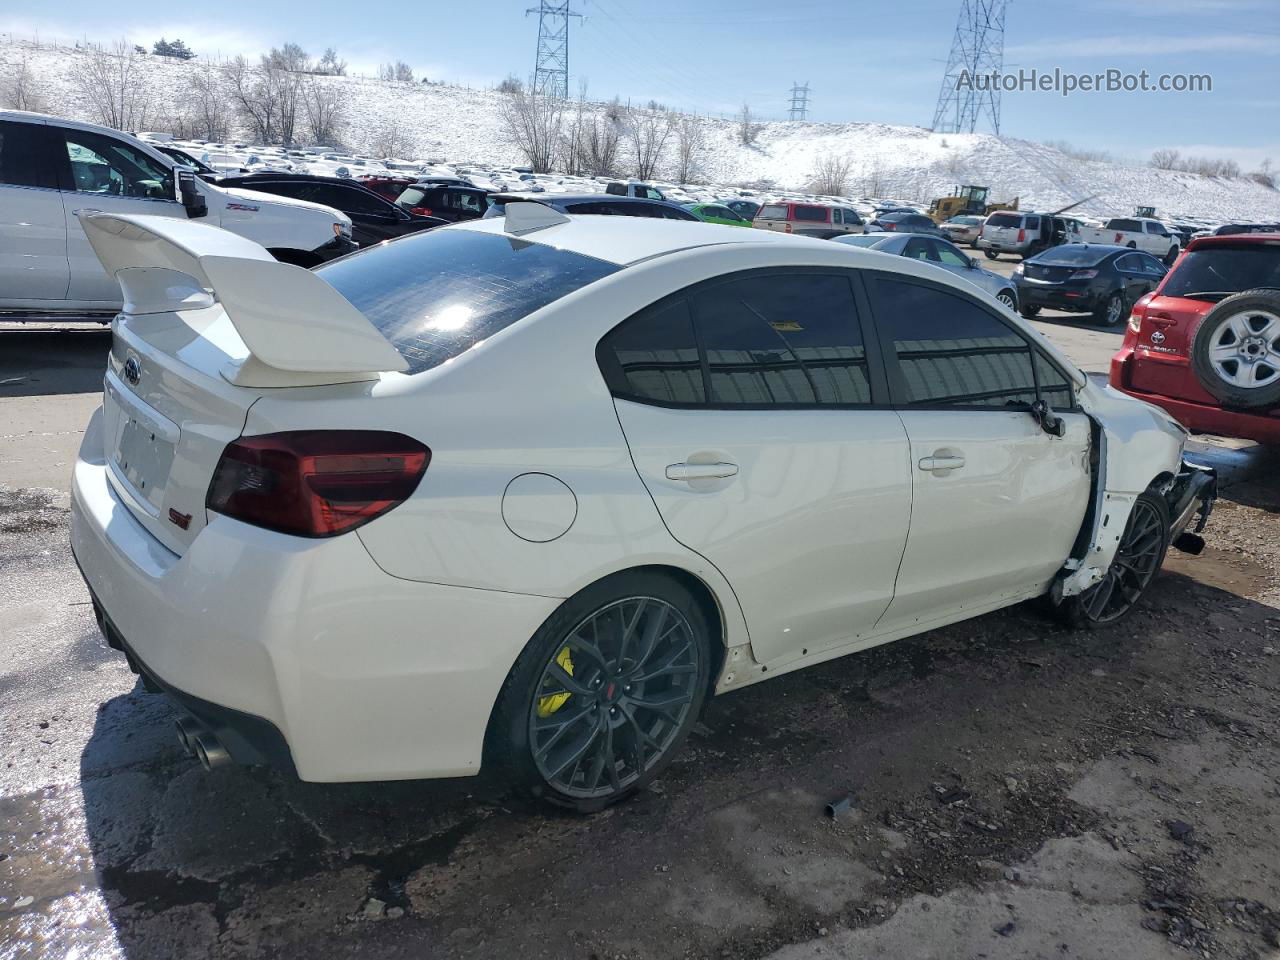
x,y
300,653
1055,298
1197,417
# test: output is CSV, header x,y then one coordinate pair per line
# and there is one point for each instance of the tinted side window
x,y
950,351
654,356
105,165
1033,223
24,159
816,214
782,339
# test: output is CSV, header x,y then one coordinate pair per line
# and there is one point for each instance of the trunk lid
x,y
168,412
1047,274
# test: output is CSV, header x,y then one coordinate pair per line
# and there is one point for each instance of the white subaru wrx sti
x,y
531,488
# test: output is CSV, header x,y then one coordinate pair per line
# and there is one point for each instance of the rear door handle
x,y
935,464
701,471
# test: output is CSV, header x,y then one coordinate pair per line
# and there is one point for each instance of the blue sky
x,y
866,60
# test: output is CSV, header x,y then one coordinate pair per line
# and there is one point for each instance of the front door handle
x,y
701,471
938,464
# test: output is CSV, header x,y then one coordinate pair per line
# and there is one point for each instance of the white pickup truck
x,y
1138,233
50,169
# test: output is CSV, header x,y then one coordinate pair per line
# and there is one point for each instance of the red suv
x,y
1205,344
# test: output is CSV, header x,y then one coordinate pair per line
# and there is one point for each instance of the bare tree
x,y
873,185
283,72
252,98
647,133
512,84
393,140
831,174
208,115
330,65
1166,159
691,143
21,91
572,159
748,129
108,78
598,145
399,72
324,106
532,122
1265,174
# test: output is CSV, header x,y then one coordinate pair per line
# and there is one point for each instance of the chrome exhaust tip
x,y
209,751
187,729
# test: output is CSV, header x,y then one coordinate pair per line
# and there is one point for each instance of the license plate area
x,y
140,446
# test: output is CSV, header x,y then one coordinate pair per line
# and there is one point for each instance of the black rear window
x,y
1224,270
439,293
1004,220
1072,255
816,214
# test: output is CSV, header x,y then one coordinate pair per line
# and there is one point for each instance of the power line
x,y
977,49
551,68
799,109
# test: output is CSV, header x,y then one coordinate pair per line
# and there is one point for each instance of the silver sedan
x,y
941,253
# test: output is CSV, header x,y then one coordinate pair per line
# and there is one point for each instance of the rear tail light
x,y
421,211
1119,238
1083,275
1139,312
1022,236
316,483
787,227
891,226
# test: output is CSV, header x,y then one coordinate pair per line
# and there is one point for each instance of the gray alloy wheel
x,y
1008,299
1138,558
1111,313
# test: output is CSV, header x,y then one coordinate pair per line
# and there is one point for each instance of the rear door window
x,y
24,155
438,293
653,357
1032,223
782,340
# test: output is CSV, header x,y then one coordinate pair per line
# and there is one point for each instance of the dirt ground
x,y
1015,790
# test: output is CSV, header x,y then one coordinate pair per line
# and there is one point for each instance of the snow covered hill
x,y
462,125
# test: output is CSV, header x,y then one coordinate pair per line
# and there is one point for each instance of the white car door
x,y
746,404
997,501
114,176
33,235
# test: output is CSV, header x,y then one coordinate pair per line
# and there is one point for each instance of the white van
x,y
51,168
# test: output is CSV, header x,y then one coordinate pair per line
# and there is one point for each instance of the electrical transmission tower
x,y
799,101
976,50
551,70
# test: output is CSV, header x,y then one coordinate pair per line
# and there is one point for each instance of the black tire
x,y
1112,312
1132,571
1132,244
1028,311
1255,314
992,254
1171,256
612,720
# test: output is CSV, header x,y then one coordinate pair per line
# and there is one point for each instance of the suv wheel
x,y
992,254
1236,350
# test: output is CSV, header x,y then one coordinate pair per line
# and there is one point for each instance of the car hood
x,y
271,199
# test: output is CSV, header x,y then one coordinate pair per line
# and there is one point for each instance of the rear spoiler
x,y
298,329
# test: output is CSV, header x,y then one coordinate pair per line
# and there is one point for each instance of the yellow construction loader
x,y
966,200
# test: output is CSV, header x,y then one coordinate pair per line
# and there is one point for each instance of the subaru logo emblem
x,y
1157,337
132,371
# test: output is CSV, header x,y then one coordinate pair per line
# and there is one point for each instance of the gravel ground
x,y
1016,790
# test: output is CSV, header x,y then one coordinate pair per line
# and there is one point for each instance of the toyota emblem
x,y
132,371
1157,336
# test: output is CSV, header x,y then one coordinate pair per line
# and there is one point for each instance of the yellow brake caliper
x,y
549,705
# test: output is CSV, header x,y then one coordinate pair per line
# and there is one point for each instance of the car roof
x,y
554,198
1235,240
628,240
